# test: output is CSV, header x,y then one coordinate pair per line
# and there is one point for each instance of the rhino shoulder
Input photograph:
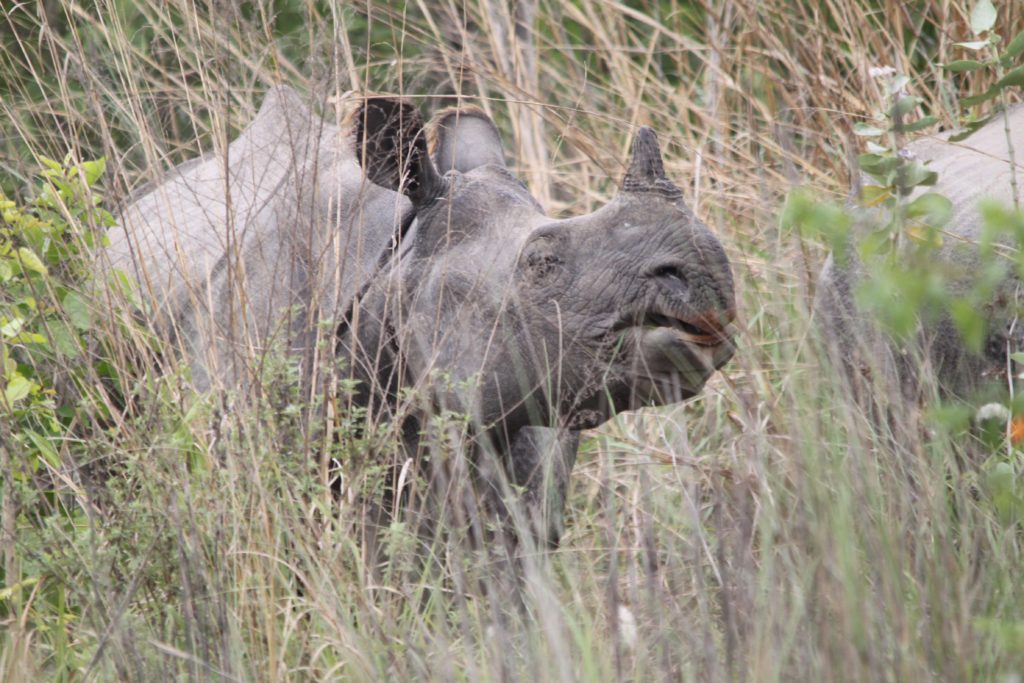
x,y
174,232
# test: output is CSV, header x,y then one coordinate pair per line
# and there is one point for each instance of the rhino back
x,y
249,250
175,232
969,171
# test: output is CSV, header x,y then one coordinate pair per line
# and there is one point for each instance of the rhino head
x,y
532,320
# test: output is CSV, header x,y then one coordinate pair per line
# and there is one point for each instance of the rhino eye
x,y
542,263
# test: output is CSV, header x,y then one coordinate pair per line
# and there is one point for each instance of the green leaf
x,y
866,130
983,16
45,449
904,105
973,44
924,235
29,338
915,174
876,164
961,65
29,260
77,311
1000,476
1017,357
6,593
974,124
106,219
920,124
875,243
1015,77
94,169
1005,495
65,340
969,128
1015,46
873,195
814,218
983,97
50,164
11,327
17,388
898,83
933,207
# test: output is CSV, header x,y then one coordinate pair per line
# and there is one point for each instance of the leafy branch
x,y
1005,64
897,174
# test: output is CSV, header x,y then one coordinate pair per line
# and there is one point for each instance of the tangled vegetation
x,y
767,530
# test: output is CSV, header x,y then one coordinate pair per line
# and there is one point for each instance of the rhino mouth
x,y
699,333
691,330
669,357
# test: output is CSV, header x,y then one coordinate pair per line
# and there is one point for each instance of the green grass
x,y
766,531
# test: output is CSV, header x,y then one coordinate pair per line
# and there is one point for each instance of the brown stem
x,y
8,513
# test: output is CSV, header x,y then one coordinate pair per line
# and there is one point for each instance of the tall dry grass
x,y
766,531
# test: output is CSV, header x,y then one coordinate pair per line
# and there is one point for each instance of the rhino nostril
x,y
670,273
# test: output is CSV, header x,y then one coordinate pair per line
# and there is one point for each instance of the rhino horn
x,y
392,147
646,172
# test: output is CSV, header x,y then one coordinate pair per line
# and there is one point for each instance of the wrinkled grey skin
x,y
534,327
969,171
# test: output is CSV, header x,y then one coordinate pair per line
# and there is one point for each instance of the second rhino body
x,y
970,171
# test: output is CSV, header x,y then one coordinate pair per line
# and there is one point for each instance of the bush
x,y
48,402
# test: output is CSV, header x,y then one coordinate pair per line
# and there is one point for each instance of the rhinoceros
x,y
413,257
969,171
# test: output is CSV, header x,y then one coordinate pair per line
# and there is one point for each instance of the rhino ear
x,y
646,172
463,139
392,149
